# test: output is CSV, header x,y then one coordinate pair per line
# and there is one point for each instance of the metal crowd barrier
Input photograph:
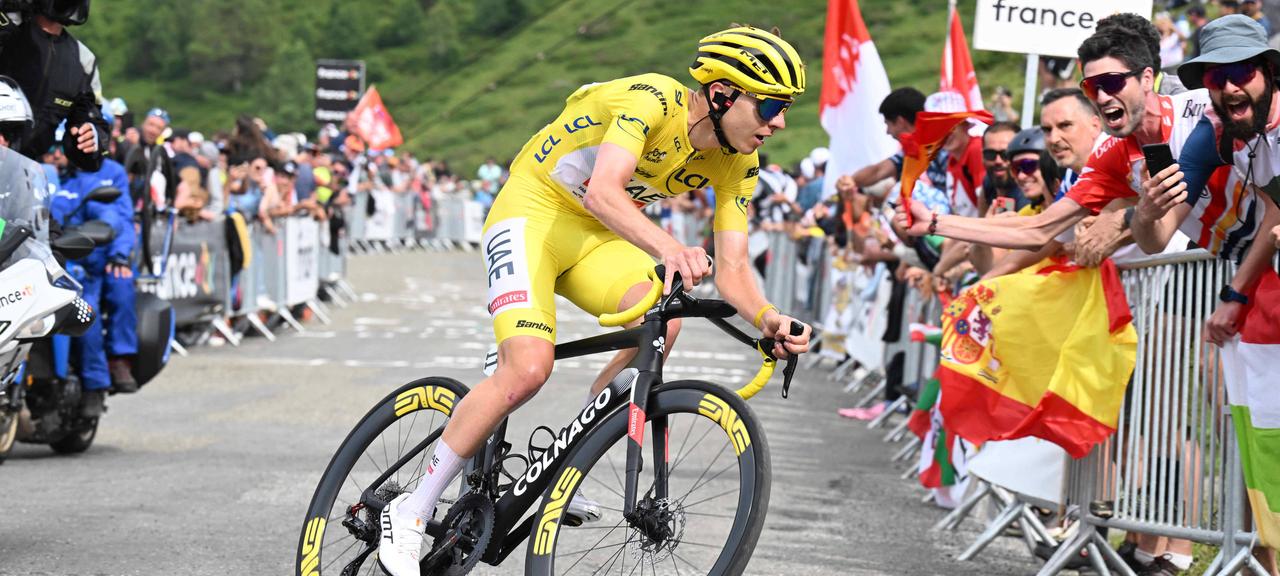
x,y
288,268
1172,468
399,221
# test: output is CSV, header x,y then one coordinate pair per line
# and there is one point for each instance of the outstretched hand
x,y
921,216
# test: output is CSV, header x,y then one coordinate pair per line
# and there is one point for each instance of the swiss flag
x,y
373,123
853,85
957,68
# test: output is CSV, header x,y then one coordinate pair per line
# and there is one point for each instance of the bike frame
x,y
631,387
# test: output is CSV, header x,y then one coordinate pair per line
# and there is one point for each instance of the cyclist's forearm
x,y
734,278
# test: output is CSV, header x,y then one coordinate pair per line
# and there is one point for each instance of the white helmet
x,y
15,112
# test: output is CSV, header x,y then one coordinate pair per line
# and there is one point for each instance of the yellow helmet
x,y
754,60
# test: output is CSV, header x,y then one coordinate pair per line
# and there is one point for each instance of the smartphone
x,y
1158,157
1004,204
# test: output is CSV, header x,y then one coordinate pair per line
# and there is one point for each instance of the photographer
x,y
58,73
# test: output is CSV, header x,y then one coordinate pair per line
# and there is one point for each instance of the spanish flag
x,y
1250,364
922,145
1045,352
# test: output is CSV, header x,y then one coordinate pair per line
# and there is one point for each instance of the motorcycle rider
x,y
15,125
58,73
106,275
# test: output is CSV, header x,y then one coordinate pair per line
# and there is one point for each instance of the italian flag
x,y
1250,364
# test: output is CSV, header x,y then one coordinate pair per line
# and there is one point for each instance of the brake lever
x,y
790,369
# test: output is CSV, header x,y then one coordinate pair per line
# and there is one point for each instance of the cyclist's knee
x,y
522,378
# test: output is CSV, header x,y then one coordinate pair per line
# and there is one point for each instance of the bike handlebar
x,y
762,345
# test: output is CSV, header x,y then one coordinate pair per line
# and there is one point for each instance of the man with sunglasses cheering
x,y
1217,193
568,222
1119,79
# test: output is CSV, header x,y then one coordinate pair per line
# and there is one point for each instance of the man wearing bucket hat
x,y
1218,192
1223,191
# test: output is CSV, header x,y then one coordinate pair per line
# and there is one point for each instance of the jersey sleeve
x,y
732,198
634,114
1199,159
1104,178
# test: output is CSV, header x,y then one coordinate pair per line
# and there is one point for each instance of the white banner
x,y
301,259
852,324
382,224
1045,27
473,221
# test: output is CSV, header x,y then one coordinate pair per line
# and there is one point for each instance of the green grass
x,y
511,86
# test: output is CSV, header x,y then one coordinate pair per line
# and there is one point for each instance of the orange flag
x,y
373,123
922,145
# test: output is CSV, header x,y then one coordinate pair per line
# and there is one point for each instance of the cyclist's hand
x,y
690,261
778,326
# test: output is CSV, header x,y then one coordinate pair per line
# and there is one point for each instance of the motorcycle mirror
x,y
104,194
73,245
100,232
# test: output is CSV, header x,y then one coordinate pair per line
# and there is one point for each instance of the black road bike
x,y
695,505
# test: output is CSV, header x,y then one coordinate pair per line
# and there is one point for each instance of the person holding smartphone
x,y
1119,80
1221,202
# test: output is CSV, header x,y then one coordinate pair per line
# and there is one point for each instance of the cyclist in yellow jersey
x,y
568,222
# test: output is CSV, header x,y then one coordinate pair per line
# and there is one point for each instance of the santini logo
x,y
536,325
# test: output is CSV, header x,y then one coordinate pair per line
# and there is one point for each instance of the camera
x,y
66,12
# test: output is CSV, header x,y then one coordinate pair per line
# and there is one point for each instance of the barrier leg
x,y
289,319
1109,554
870,399
257,324
1030,520
898,431
225,330
953,520
1007,517
1243,558
841,370
179,348
888,411
911,472
347,289
907,450
335,295
1095,558
318,309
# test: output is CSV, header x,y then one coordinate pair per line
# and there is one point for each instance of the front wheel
x,y
77,440
705,520
340,533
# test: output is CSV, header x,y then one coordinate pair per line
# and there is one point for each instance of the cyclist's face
x,y
745,129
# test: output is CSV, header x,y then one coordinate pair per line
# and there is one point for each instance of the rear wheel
x,y
340,534
708,521
79,440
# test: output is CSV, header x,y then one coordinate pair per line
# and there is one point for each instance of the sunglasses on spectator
x,y
1238,73
767,106
1026,166
990,155
1110,82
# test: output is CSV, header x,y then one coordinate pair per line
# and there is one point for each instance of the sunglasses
x,y
1026,166
1110,82
1238,73
768,107
991,155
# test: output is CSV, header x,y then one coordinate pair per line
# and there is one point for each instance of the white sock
x,y
444,467
1143,557
1182,561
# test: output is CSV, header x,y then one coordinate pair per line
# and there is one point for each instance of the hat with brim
x,y
1228,39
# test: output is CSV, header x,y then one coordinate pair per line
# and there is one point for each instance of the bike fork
x,y
635,439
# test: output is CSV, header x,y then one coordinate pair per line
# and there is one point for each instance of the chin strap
x,y
715,116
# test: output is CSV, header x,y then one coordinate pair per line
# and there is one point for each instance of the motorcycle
x,y
42,399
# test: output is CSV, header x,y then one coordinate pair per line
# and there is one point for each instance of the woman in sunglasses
x,y
1035,171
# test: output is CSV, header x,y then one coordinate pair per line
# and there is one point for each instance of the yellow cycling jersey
x,y
647,115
